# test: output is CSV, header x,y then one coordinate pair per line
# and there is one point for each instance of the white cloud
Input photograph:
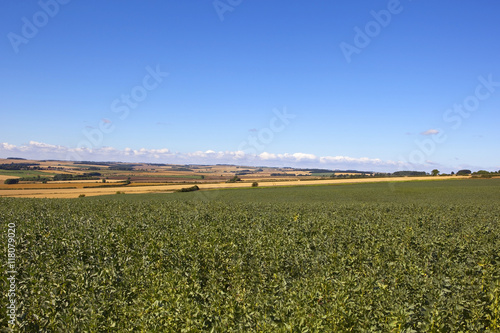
x,y
267,156
39,150
430,132
359,161
6,146
302,156
161,151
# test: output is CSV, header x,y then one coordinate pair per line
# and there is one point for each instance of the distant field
x,y
386,257
4,177
25,173
322,174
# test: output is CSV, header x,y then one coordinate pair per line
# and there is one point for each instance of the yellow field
x,y
3,178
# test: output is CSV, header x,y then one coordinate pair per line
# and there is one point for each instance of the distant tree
x,y
483,174
435,172
11,181
128,181
464,172
234,179
103,180
255,184
453,172
189,189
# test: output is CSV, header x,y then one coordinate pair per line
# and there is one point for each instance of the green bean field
x,y
406,257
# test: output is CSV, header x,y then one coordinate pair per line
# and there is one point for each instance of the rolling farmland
x,y
250,166
64,179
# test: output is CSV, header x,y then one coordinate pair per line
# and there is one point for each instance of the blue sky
x,y
371,85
